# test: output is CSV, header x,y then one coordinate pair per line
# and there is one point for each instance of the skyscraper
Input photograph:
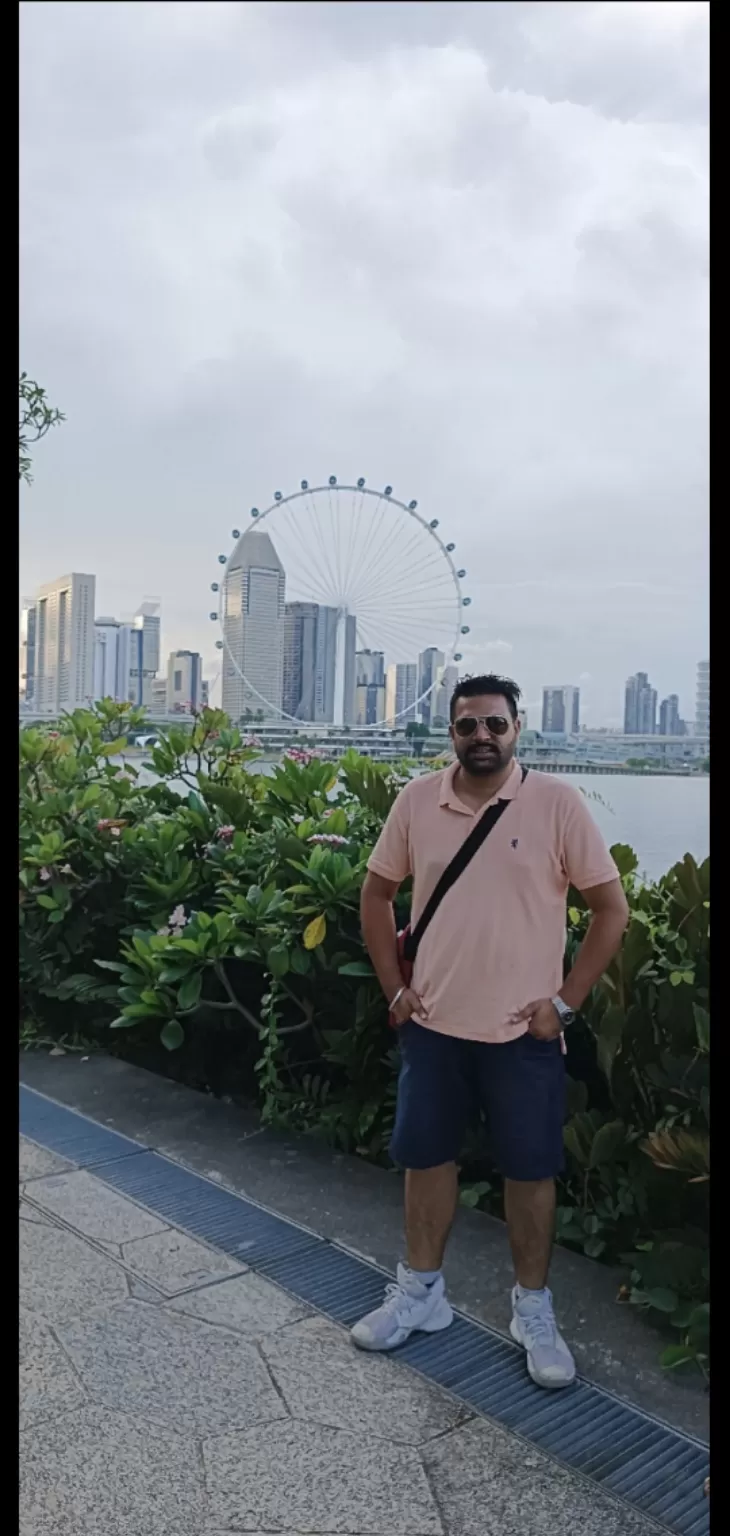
x,y
561,710
430,663
369,687
401,683
113,647
64,643
441,696
702,705
669,721
639,706
184,682
310,661
254,628
26,680
144,663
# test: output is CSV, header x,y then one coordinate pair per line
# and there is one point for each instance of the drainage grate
x,y
70,1134
641,1460
241,1229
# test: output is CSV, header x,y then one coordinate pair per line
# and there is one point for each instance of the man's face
x,y
484,748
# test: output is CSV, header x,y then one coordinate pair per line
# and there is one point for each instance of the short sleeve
x,y
586,859
391,856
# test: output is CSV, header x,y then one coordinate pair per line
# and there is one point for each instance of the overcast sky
x,y
461,248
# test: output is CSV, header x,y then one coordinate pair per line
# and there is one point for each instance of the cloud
x,y
458,248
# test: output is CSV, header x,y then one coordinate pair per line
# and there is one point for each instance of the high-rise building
x,y
561,710
430,665
401,684
639,706
112,659
64,643
253,623
144,661
158,696
26,681
441,696
310,661
702,705
184,682
670,723
369,687
349,702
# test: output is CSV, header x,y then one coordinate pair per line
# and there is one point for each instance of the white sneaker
x,y
409,1307
533,1325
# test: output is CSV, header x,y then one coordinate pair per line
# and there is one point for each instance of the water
x,y
661,817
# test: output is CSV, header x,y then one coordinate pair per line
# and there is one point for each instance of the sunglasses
x,y
467,725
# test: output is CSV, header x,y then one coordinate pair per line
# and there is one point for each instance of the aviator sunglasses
x,y
466,725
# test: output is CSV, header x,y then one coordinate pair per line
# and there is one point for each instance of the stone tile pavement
x,y
167,1391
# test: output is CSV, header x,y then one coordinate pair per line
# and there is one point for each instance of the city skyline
x,y
131,649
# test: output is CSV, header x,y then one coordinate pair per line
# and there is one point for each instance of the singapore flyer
x,y
339,604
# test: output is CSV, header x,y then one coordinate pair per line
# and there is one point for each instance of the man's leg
x,y
529,1206
523,1086
431,1196
433,1104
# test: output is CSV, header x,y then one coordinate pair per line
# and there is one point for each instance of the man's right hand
x,y
408,1003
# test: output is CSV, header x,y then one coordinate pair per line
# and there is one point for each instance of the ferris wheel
x,y
339,604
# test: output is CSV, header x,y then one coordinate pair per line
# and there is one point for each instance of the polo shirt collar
x,y
450,799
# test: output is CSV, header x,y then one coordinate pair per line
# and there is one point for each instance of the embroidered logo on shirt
x,y
515,841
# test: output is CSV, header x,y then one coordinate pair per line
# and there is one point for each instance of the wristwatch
x,y
565,1014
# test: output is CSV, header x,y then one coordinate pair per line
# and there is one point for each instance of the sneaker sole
x,y
442,1318
547,1386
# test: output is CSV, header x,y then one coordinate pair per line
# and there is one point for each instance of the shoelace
x,y
540,1327
396,1297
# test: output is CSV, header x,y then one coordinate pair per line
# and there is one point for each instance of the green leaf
x,y
593,1247
173,1035
608,1143
610,1031
702,1026
356,968
47,901
277,960
300,962
189,994
111,965
662,1299
675,1355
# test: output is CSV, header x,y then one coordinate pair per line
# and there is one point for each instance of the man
x,y
483,1019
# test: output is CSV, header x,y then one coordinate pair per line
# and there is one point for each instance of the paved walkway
x,y
166,1390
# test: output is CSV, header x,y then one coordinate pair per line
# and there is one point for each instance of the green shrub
x,y
210,915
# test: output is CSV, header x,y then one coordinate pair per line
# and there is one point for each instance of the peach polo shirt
x,y
498,939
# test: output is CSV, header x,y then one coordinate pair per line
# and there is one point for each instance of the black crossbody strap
x,y
478,835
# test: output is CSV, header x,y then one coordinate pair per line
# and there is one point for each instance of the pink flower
x,y
177,919
115,831
225,833
66,869
328,837
163,933
45,874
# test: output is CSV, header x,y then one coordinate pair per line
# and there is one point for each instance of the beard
x,y
481,758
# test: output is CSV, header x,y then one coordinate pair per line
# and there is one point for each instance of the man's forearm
x,y
378,929
601,943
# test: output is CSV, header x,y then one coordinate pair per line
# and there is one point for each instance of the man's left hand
x,y
541,1018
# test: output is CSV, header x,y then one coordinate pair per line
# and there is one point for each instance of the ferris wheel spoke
x,y
317,530
403,584
375,543
303,564
379,560
383,559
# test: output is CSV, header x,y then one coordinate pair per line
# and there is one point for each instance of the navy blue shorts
x,y
445,1081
